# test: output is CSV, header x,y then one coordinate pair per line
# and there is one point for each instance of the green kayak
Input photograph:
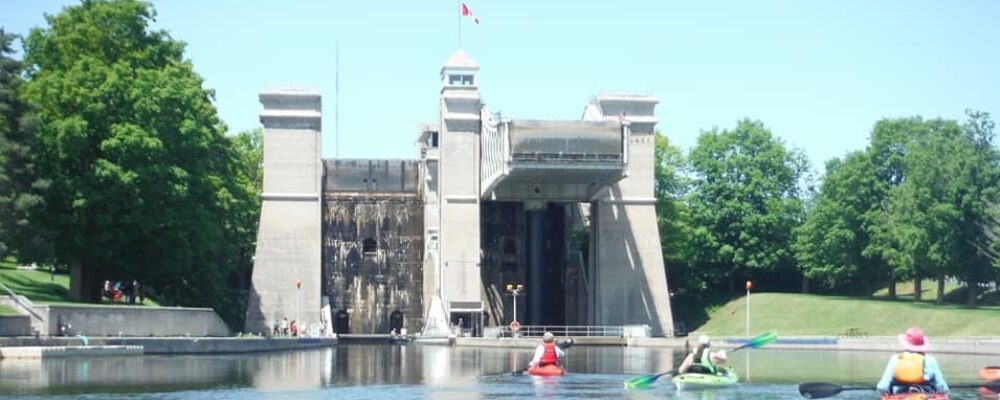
x,y
706,381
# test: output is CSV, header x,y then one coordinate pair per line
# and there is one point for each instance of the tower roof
x,y
460,60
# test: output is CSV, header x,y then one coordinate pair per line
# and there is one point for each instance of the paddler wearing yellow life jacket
x,y
912,368
703,360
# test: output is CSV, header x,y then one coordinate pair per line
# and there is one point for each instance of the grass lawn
x,y
35,284
38,286
805,314
4,310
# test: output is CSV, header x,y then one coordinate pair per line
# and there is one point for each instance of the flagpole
x,y
336,105
459,24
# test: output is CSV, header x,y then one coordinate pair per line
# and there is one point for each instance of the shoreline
x,y
233,345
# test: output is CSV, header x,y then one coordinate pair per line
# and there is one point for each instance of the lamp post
x,y
515,290
298,300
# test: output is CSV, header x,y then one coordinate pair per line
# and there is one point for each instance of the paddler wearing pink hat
x,y
912,369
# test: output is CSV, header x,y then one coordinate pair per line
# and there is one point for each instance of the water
x,y
437,372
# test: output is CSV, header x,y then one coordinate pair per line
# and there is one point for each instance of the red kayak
x,y
915,396
548,370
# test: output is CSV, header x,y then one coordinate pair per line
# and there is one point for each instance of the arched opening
x,y
396,321
341,322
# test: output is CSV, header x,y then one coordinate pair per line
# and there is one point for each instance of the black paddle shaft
x,y
820,390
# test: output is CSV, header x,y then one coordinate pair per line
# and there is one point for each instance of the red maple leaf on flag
x,y
466,12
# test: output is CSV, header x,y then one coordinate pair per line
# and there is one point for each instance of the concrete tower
x,y
458,236
286,274
630,279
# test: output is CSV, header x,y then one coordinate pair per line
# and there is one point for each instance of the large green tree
x,y
744,204
830,243
19,186
144,183
671,184
892,240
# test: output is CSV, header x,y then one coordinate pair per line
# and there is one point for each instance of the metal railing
x,y
565,330
30,308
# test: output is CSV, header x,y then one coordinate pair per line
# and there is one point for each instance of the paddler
x,y
912,369
547,353
703,360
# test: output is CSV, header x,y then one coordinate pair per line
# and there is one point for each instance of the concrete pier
x,y
44,352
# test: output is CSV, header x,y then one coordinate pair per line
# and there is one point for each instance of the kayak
x,y
548,370
705,381
915,396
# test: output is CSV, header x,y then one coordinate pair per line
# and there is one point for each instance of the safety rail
x,y
30,308
566,330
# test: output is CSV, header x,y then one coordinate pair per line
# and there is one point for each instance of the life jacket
x,y
909,368
702,358
549,357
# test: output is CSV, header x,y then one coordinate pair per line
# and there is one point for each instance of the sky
x,y
818,73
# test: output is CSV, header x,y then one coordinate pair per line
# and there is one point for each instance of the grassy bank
x,y
804,314
39,286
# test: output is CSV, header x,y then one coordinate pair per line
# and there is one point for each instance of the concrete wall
x,y
373,284
15,325
370,176
131,321
287,265
629,277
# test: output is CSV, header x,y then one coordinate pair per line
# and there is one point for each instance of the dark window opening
x,y
369,247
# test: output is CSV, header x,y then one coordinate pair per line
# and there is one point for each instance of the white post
x,y
515,306
749,286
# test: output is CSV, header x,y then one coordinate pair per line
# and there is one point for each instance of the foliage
x,y
144,183
670,187
744,203
19,187
830,243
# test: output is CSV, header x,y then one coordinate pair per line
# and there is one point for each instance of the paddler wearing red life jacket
x,y
912,369
547,353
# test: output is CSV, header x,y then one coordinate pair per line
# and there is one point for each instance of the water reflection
x,y
441,373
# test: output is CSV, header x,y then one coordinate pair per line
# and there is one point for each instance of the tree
x,y
144,183
745,203
830,243
19,186
670,186
891,141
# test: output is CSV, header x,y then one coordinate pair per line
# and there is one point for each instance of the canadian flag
x,y
466,12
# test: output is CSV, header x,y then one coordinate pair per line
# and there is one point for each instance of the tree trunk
x,y
892,287
805,284
970,301
84,284
918,287
940,290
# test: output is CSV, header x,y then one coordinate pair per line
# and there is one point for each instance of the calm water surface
x,y
438,372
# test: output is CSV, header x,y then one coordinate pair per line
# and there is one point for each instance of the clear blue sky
x,y
818,73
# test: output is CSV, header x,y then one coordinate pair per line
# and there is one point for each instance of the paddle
x,y
758,341
564,345
820,390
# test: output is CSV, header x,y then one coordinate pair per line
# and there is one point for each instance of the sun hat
x,y
703,339
914,340
548,337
